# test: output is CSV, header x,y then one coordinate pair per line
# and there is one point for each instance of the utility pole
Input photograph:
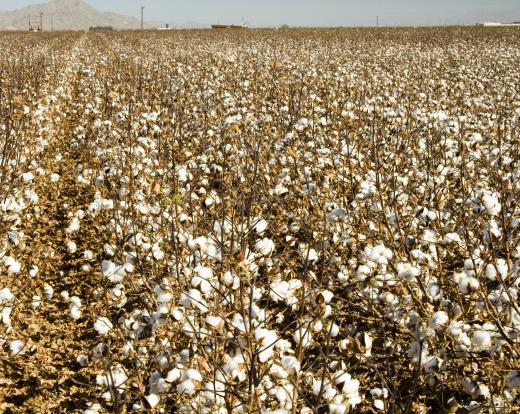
x,y
52,25
142,15
41,22
377,24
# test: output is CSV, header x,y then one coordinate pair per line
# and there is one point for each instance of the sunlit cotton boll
x,y
468,284
439,320
265,246
481,340
71,247
13,266
17,347
152,400
261,226
54,178
48,291
103,325
491,204
302,336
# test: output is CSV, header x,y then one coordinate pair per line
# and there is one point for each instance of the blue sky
x,y
309,12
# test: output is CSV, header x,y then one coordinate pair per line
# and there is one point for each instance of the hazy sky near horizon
x,y
308,12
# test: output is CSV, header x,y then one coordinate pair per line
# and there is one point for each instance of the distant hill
x,y
66,15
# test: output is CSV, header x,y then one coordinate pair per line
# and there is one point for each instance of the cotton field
x,y
260,221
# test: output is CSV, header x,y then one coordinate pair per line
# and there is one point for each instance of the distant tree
x,y
284,26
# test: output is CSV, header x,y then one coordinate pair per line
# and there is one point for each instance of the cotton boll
x,y
17,347
157,253
362,272
265,246
71,247
379,404
204,272
439,320
302,336
36,301
186,387
308,255
48,291
73,226
290,364
502,268
468,284
54,178
75,312
491,204
452,238
92,408
260,226
227,279
481,340
13,266
82,360
174,375
325,296
103,325
491,272
152,400
6,295
33,271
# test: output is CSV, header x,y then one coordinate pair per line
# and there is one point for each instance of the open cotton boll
x,y
307,254
439,320
116,378
71,247
93,408
408,271
103,325
28,176
13,266
48,291
54,178
260,226
33,271
157,253
481,340
265,246
186,387
468,284
491,272
452,238
17,347
174,375
204,272
152,400
73,226
36,301
6,295
491,204
302,336
114,272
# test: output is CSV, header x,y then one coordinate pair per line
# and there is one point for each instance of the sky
x,y
262,13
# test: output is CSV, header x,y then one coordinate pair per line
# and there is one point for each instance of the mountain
x,y
65,15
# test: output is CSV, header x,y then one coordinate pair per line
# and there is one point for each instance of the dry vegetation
x,y
294,221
